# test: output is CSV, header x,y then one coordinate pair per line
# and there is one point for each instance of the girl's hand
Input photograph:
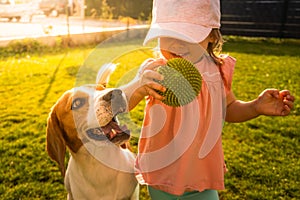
x,y
144,83
146,78
273,102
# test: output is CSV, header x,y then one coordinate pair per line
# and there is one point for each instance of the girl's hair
x,y
214,49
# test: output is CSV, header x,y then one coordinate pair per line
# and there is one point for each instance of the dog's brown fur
x,y
62,133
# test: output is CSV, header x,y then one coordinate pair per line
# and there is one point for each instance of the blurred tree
x,y
106,12
137,9
92,7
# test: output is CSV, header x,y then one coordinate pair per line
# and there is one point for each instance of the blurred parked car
x,y
10,10
55,7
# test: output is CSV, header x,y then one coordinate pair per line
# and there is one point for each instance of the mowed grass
x,y
262,155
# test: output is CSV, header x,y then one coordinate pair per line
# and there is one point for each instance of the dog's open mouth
x,y
112,132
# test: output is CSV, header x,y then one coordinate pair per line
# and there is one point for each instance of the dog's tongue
x,y
112,128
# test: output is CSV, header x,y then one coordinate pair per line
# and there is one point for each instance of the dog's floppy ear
x,y
56,146
100,87
104,73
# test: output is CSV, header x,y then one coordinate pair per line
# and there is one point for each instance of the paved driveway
x,y
51,26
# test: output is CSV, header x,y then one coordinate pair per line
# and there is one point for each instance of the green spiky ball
x,y
182,81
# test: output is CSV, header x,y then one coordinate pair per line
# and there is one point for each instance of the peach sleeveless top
x,y
180,148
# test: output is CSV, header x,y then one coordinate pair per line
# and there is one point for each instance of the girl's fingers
x,y
156,86
286,110
271,92
152,92
288,103
153,75
285,94
290,98
152,64
148,77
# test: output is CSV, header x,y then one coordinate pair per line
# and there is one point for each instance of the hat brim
x,y
191,33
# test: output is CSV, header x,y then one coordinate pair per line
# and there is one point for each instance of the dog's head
x,y
85,113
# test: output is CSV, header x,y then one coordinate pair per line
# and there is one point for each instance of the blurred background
x,y
34,18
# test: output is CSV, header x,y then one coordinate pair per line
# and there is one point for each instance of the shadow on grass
x,y
52,79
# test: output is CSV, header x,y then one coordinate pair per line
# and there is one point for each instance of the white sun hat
x,y
187,20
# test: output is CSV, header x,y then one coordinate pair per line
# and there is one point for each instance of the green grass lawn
x,y
262,155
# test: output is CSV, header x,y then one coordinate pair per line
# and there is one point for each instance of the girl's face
x,y
174,48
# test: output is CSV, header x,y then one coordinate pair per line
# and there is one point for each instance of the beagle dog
x,y
101,167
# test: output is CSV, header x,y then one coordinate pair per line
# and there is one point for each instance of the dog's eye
x,y
77,103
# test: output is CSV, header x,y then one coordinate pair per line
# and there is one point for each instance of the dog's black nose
x,y
118,102
113,94
108,96
117,93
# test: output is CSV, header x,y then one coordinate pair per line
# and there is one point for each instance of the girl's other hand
x,y
273,102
